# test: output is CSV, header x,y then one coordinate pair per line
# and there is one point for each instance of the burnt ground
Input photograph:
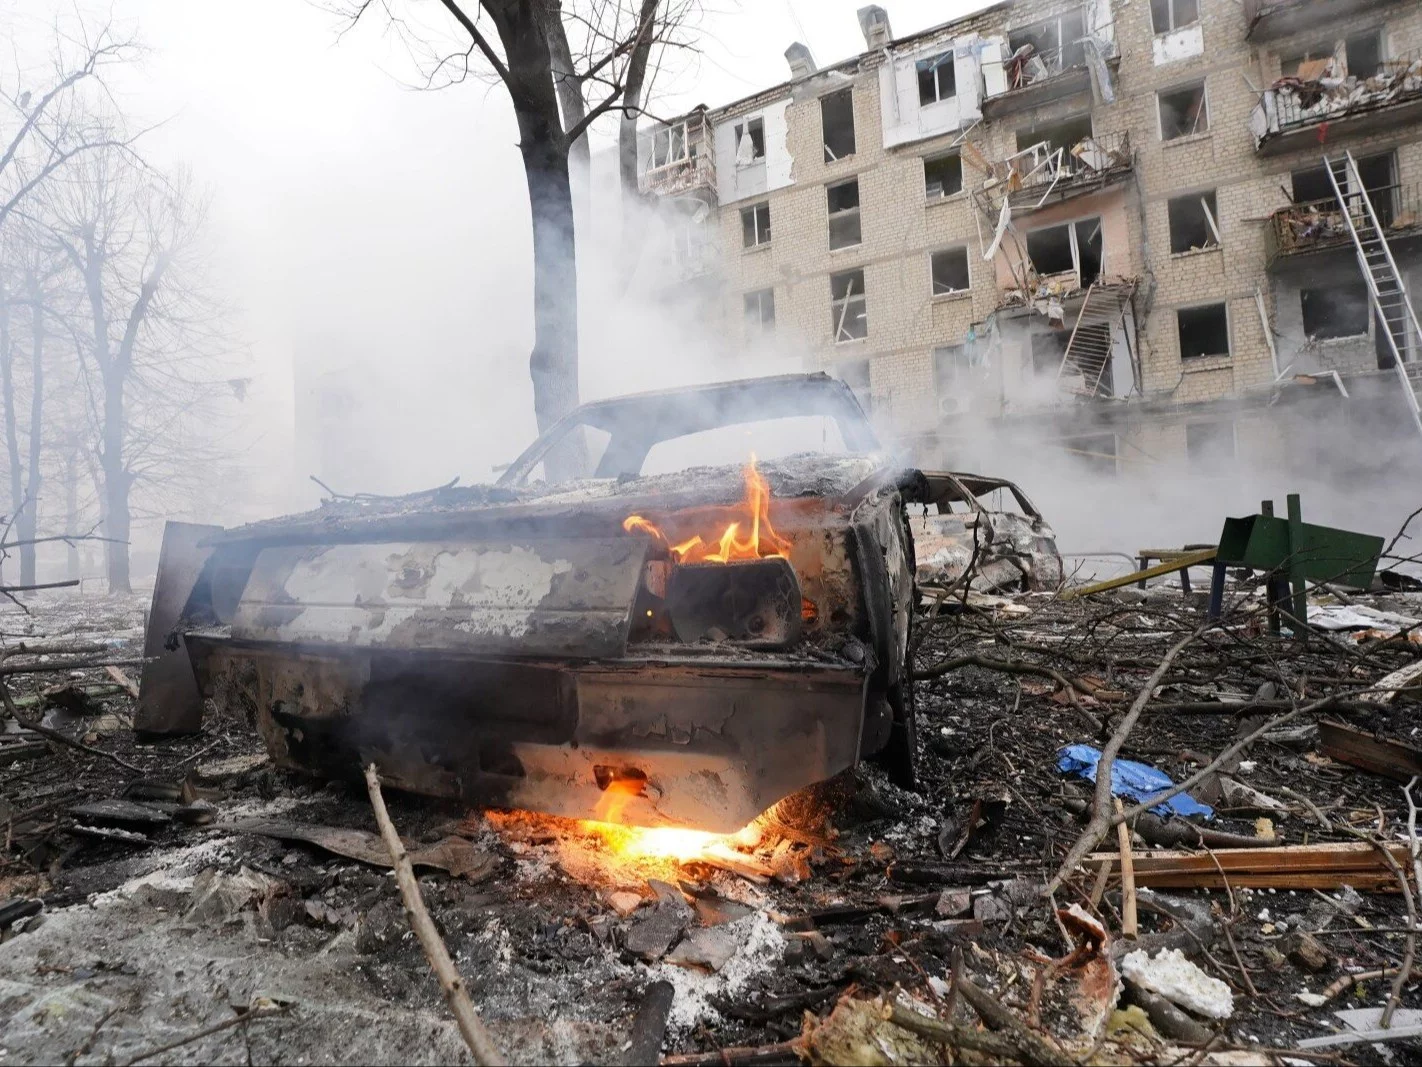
x,y
153,932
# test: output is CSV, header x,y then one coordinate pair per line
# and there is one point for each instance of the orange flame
x,y
760,542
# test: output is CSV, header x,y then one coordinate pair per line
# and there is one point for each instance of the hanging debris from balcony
x,y
1322,90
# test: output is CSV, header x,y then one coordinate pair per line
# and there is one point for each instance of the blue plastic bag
x,y
1137,781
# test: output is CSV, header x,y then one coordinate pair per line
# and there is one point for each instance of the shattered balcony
x,y
1034,78
677,160
1319,226
1041,176
1292,111
1268,20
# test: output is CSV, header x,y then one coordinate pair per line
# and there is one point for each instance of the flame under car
x,y
699,643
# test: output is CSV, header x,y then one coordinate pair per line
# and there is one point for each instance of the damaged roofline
x,y
851,65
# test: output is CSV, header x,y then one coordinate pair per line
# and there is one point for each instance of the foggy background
x,y
373,240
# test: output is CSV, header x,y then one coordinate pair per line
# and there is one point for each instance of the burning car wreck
x,y
993,545
682,648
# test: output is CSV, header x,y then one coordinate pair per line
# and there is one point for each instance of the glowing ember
x,y
749,537
656,842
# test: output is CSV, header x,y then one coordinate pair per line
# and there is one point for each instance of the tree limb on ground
x,y
476,1036
1101,817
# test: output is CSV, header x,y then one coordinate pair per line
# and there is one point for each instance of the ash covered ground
x,y
150,933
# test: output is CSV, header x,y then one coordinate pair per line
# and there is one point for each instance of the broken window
x,y
750,141
843,214
1048,352
755,225
1192,222
1210,445
855,374
942,175
952,368
1307,63
950,271
1075,246
837,119
1096,452
1065,134
1341,310
1364,54
1311,185
760,310
935,79
668,146
1169,15
1059,41
1183,112
1204,331
849,313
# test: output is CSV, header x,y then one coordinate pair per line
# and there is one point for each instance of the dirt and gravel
x,y
152,933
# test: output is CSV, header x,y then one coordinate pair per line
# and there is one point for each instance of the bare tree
x,y
47,120
131,239
549,82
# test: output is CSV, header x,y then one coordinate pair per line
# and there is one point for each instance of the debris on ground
x,y
855,922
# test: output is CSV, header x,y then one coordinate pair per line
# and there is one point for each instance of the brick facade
x,y
901,227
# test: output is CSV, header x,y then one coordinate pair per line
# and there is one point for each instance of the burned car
x,y
611,627
985,531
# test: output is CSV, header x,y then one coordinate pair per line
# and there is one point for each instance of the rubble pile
x,y
1323,89
183,893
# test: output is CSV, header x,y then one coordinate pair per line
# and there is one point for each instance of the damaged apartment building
x,y
1110,224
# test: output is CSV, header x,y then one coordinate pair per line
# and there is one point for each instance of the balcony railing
x,y
692,171
1293,105
1035,76
1317,225
1089,164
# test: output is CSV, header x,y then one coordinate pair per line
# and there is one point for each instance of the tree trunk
x,y
634,220
12,429
71,516
553,364
632,99
117,521
574,108
28,526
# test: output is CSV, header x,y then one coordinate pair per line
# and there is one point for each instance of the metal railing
x,y
1083,164
1042,66
694,171
1317,224
1307,104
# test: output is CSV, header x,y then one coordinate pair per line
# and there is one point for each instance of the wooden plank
x,y
1408,679
1175,563
1381,755
1325,866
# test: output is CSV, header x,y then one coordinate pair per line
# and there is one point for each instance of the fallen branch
x,y
1101,819
247,1017
1001,1049
740,1055
7,589
1006,667
69,665
481,1045
1224,757
1030,1047
54,735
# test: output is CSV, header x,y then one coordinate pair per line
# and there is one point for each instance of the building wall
x,y
901,227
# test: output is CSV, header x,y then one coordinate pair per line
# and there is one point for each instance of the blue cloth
x,y
1138,781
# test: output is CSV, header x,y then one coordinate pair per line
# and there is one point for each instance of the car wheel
x,y
899,756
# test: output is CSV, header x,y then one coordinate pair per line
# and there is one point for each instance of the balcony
x,y
1034,78
678,161
1291,111
1089,166
1269,20
1318,225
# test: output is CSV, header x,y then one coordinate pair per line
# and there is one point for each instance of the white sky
x,y
363,225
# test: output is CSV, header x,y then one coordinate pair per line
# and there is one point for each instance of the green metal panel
x,y
1324,554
